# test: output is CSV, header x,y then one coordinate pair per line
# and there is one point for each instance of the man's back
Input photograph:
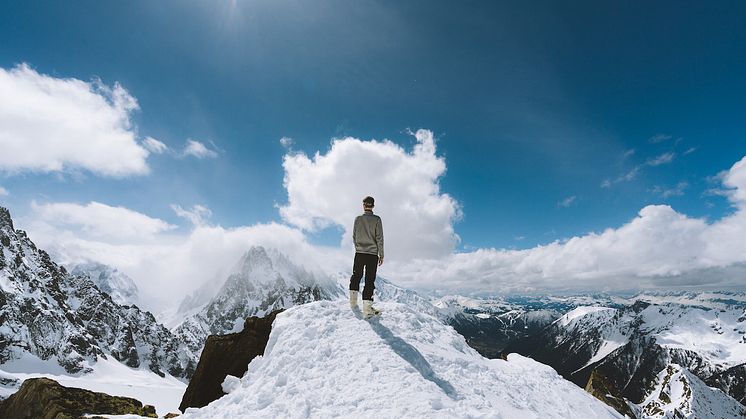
x,y
367,234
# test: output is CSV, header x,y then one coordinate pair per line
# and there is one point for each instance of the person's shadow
x,y
410,354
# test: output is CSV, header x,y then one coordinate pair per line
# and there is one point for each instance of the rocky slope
x,y
54,315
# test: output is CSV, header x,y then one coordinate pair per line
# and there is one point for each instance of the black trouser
x,y
370,262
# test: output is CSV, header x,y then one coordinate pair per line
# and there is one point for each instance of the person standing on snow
x,y
367,234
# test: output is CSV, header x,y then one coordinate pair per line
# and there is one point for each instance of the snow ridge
x,y
324,360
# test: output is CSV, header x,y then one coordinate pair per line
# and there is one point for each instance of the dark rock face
x,y
226,355
42,398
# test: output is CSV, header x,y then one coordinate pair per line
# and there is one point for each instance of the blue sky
x,y
533,105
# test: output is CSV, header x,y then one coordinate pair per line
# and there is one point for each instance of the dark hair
x,y
368,201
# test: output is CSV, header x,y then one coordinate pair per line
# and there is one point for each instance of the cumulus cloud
x,y
286,142
154,146
660,246
327,190
50,124
197,149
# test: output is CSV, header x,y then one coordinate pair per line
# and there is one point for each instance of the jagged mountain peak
x,y
110,280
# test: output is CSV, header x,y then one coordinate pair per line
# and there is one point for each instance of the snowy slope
x,y
677,393
323,360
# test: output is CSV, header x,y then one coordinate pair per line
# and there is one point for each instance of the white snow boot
x,y
368,309
353,298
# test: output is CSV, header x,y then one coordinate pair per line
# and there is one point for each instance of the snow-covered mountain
x,y
631,345
263,280
110,280
677,393
323,360
53,316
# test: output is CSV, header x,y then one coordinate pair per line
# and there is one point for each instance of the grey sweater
x,y
367,234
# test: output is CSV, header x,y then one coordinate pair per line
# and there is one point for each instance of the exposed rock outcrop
x,y
42,398
225,355
602,389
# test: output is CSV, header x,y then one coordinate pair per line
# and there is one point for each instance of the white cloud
x,y
101,221
286,142
196,149
4,192
154,146
328,190
198,215
659,247
661,159
565,203
690,150
50,124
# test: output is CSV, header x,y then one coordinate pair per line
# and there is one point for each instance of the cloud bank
x,y
50,124
658,247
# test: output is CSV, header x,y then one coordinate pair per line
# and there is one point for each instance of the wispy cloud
x,y
664,158
4,192
628,153
677,190
690,150
154,146
198,215
197,149
567,201
659,138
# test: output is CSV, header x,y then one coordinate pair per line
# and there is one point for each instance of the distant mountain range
x,y
621,344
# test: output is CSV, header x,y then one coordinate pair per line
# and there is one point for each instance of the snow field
x,y
323,360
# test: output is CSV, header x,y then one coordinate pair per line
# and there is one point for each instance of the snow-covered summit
x,y
263,280
324,360
110,280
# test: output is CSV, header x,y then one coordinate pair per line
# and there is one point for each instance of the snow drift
x,y
324,360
